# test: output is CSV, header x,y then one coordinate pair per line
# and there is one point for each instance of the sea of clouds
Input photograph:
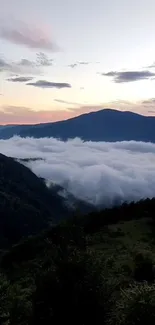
x,y
98,172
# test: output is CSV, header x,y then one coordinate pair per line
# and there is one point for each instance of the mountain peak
x,y
104,125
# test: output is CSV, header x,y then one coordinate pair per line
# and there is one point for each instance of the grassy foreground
x,y
89,270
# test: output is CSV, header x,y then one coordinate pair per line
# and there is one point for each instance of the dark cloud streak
x,y
20,79
66,102
48,84
129,76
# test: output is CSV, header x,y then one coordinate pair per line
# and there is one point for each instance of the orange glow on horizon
x,y
32,117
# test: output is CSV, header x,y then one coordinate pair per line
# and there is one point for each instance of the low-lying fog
x,y
99,172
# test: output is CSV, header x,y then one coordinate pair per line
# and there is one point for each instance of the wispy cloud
x,y
122,102
20,79
149,101
43,60
151,66
129,76
74,65
145,107
49,84
151,111
24,34
25,63
25,66
66,102
83,62
4,65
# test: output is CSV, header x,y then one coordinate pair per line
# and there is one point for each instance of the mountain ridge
x,y
105,125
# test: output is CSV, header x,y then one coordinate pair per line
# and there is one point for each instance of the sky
x,y
60,59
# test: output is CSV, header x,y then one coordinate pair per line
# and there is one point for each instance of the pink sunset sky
x,y
62,59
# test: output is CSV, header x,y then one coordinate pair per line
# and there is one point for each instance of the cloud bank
x,y
99,172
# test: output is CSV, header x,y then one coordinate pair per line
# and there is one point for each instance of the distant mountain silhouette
x,y
103,125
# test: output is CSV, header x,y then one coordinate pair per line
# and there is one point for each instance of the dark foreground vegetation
x,y
27,206
95,269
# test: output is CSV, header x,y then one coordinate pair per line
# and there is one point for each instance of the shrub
x,y
143,267
71,293
136,306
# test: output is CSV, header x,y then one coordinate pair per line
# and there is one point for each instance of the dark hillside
x,y
89,270
26,204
